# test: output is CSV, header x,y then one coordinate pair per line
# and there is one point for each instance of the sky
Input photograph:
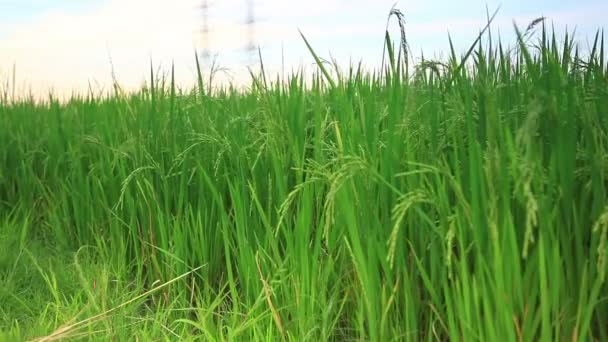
x,y
69,45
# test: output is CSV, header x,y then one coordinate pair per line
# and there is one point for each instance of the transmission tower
x,y
205,29
250,22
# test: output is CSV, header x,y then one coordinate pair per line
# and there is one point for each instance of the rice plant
x,y
461,200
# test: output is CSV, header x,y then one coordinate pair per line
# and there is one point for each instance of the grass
x,y
451,200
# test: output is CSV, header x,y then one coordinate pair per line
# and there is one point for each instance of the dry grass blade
x,y
66,330
268,295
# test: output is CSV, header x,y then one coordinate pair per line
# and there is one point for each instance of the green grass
x,y
455,200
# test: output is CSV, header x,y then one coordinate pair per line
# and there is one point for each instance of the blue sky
x,y
24,10
65,44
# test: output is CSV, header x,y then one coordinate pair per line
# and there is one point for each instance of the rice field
x,y
454,200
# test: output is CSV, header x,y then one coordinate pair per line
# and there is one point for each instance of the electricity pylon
x,y
205,29
250,23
